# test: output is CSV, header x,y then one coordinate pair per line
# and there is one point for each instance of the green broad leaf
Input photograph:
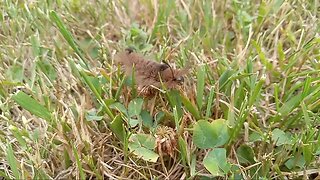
x,y
158,118
280,137
137,38
135,107
245,154
236,172
120,107
31,105
108,102
133,122
216,162
93,116
142,145
12,161
146,119
210,135
254,137
296,161
145,154
117,128
145,140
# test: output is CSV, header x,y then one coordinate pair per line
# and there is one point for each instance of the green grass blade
x,y
210,101
32,105
276,96
67,160
288,106
306,116
12,161
19,136
78,162
95,92
177,118
306,87
200,86
119,90
174,99
191,107
262,56
225,78
67,35
3,174
256,91
183,148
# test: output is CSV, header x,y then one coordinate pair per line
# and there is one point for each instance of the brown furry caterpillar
x,y
149,73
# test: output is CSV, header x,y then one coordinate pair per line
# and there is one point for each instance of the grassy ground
x,y
249,108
